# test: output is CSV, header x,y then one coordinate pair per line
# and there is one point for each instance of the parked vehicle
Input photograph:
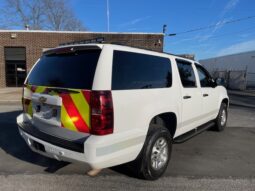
x,y
107,105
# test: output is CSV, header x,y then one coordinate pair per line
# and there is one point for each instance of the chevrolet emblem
x,y
42,99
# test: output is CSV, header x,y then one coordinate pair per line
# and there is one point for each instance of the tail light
x,y
101,113
25,102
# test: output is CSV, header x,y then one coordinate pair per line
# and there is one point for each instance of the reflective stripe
x,y
28,95
40,89
75,110
86,95
83,107
66,120
30,110
74,113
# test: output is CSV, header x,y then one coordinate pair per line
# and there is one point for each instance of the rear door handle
x,y
186,97
205,95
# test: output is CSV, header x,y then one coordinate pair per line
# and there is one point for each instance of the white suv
x,y
107,105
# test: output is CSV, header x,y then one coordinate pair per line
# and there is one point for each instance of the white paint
x,y
134,110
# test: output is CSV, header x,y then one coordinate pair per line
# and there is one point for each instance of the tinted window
x,y
187,74
140,71
204,77
73,70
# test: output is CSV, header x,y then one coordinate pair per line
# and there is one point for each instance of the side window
x,y
187,74
204,77
140,71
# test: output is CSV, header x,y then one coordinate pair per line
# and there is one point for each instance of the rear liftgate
x,y
67,108
76,110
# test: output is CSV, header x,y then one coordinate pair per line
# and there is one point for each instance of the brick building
x,y
19,50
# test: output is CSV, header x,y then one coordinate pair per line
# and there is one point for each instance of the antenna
x,y
108,15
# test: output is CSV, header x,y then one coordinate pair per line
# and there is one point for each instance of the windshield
x,y
72,70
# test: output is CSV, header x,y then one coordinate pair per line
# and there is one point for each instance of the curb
x,y
241,94
242,105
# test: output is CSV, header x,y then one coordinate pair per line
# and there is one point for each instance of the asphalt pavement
x,y
209,161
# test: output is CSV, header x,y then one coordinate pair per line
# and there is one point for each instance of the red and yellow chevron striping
x,y
75,110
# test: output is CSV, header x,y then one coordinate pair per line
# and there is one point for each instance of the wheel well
x,y
168,119
226,101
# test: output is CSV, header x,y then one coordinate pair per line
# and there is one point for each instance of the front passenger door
x,y
191,96
209,94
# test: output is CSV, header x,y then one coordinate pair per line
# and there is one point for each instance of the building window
x,y
15,66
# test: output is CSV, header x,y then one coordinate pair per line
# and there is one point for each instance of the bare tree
x,y
60,17
40,15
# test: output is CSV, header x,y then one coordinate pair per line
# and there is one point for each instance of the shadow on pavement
x,y
13,144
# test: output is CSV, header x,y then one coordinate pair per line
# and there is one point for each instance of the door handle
x,y
205,95
186,97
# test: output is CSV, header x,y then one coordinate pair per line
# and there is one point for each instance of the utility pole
x,y
164,29
108,15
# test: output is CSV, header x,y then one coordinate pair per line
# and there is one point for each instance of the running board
x,y
193,132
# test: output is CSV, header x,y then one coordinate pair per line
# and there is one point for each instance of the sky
x,y
179,16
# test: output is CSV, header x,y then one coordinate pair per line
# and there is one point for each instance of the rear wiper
x,y
60,90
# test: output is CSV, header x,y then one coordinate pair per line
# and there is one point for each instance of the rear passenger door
x,y
209,94
191,96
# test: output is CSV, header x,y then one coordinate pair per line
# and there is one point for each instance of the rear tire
x,y
153,160
221,120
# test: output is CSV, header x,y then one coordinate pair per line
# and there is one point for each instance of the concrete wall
x,y
231,62
236,62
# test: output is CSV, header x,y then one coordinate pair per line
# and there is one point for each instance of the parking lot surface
x,y
209,161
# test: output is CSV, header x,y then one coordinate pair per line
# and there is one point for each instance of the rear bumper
x,y
97,151
51,150
74,145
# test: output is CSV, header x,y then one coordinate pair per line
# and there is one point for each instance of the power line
x,y
232,33
212,26
224,34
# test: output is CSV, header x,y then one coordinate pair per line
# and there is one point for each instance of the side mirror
x,y
213,83
220,81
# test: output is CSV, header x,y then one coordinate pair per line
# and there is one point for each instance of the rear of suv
x,y
107,105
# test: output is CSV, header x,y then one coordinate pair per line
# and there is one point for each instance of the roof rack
x,y
102,40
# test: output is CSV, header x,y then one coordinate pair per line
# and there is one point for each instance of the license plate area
x,y
46,108
46,111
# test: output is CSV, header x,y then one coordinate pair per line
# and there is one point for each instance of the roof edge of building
x,y
79,32
227,55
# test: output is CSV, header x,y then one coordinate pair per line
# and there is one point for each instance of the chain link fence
x,y
236,80
250,81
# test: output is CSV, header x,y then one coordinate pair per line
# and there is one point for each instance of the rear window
x,y
140,71
73,70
